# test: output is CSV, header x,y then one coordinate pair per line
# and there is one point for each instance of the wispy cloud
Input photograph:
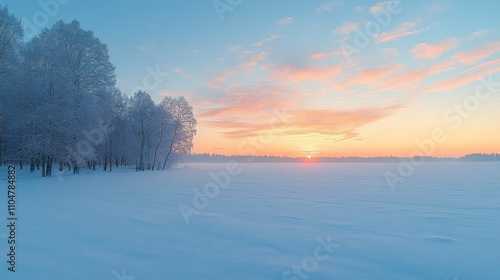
x,y
478,34
250,61
405,29
413,79
431,51
391,52
235,48
436,8
286,21
333,125
244,101
371,77
346,28
216,82
326,55
267,40
465,77
477,54
181,72
383,6
289,74
148,46
328,6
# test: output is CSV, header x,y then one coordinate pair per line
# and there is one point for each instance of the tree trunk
x,y
43,166
171,146
110,159
105,161
32,165
76,169
48,170
158,146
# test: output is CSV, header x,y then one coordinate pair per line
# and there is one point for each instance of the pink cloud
x,y
413,79
332,124
431,51
465,77
326,55
181,72
267,40
248,64
489,64
338,125
476,54
251,62
372,76
405,29
346,28
244,101
383,6
292,74
216,82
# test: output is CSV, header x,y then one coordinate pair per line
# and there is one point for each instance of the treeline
x,y
481,157
59,105
391,159
283,159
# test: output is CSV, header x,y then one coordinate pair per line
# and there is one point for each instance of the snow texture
x,y
442,223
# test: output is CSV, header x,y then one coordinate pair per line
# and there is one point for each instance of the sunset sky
x,y
308,78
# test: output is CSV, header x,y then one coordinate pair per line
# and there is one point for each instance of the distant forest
x,y
223,158
59,105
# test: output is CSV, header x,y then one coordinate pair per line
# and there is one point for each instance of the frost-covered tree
x,y
182,127
141,119
11,35
71,84
59,104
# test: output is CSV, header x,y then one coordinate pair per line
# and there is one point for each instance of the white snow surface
x,y
442,223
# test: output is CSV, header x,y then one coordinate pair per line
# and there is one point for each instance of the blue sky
x,y
271,55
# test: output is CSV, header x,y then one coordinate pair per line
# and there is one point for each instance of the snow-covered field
x,y
272,221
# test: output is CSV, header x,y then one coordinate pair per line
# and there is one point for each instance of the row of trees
x,y
59,104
